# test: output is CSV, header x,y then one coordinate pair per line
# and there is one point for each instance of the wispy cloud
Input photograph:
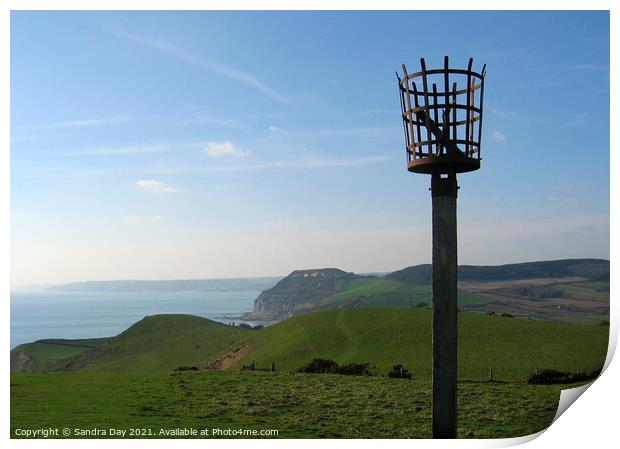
x,y
277,129
152,185
201,117
201,62
564,186
306,162
80,123
497,136
131,149
564,192
220,149
590,67
379,111
501,112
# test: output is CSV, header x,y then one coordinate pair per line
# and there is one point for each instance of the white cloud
x,y
565,186
205,117
219,149
379,111
203,63
276,129
497,136
590,67
152,185
131,149
88,122
502,112
306,162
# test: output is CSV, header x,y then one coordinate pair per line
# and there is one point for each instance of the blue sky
x,y
219,144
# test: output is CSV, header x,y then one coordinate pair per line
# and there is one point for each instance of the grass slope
x,y
375,292
513,348
164,342
297,405
58,349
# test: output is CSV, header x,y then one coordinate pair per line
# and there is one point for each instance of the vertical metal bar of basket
x,y
446,110
471,61
455,135
403,112
472,115
484,67
426,116
417,121
438,145
409,114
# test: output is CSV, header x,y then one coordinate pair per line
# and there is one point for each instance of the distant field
x,y
563,300
387,293
298,406
595,291
58,349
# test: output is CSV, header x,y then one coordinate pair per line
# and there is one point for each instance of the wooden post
x,y
444,193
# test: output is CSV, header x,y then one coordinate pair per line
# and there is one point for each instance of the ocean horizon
x,y
45,314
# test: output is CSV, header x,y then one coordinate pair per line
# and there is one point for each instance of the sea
x,y
46,314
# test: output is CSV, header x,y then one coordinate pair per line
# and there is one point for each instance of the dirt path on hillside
x,y
228,359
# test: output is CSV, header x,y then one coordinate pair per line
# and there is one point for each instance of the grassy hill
x,y
513,348
50,354
156,343
595,269
162,342
126,382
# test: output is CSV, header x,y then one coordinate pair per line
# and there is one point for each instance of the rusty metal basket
x,y
442,118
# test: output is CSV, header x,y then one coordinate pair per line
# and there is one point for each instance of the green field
x,y
373,292
128,381
164,342
593,291
58,349
512,348
297,405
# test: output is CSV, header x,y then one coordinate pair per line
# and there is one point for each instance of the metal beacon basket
x,y
442,118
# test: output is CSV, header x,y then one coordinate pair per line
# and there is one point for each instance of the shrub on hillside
x,y
421,305
354,369
399,372
186,368
325,366
550,376
320,366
